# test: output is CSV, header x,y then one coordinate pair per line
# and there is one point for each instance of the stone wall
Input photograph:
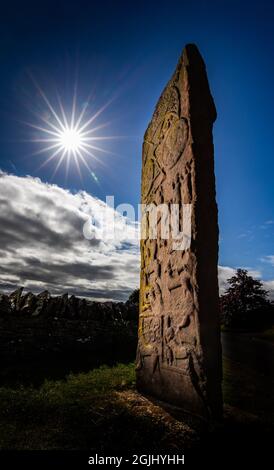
x,y
42,326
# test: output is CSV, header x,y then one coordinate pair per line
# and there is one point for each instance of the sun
x,y
71,140
69,136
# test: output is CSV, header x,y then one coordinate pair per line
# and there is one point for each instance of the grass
x,y
268,334
248,391
59,413
99,409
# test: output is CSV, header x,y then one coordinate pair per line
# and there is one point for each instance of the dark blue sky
x,y
128,50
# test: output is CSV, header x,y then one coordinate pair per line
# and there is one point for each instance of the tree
x,y
245,303
134,296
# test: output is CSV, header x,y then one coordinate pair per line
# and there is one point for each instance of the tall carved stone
x,y
179,351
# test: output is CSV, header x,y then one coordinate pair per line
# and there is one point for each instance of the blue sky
x,y
127,51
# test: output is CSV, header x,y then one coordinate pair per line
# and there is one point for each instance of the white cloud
x,y
253,272
42,244
269,286
268,259
267,224
224,272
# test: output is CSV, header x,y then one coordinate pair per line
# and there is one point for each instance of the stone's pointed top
x,y
190,78
191,56
187,95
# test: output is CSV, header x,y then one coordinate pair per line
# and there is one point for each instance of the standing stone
x,y
179,350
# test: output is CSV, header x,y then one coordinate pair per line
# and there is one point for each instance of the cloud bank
x,y
42,245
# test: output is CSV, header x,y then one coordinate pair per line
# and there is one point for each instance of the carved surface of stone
x,y
179,353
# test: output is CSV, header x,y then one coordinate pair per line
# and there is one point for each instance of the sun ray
x,y
48,103
72,125
46,149
42,129
69,138
58,164
51,157
100,149
46,121
74,153
84,161
94,129
62,110
95,116
93,156
42,140
40,116
81,115
84,108
107,137
92,147
67,165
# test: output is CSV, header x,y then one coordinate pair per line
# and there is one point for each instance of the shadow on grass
x,y
37,368
101,411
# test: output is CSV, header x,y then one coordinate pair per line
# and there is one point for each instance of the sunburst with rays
x,y
66,136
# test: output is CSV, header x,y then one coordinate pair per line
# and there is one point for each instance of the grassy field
x,y
268,335
100,410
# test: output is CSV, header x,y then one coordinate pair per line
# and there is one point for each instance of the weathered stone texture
x,y
179,352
